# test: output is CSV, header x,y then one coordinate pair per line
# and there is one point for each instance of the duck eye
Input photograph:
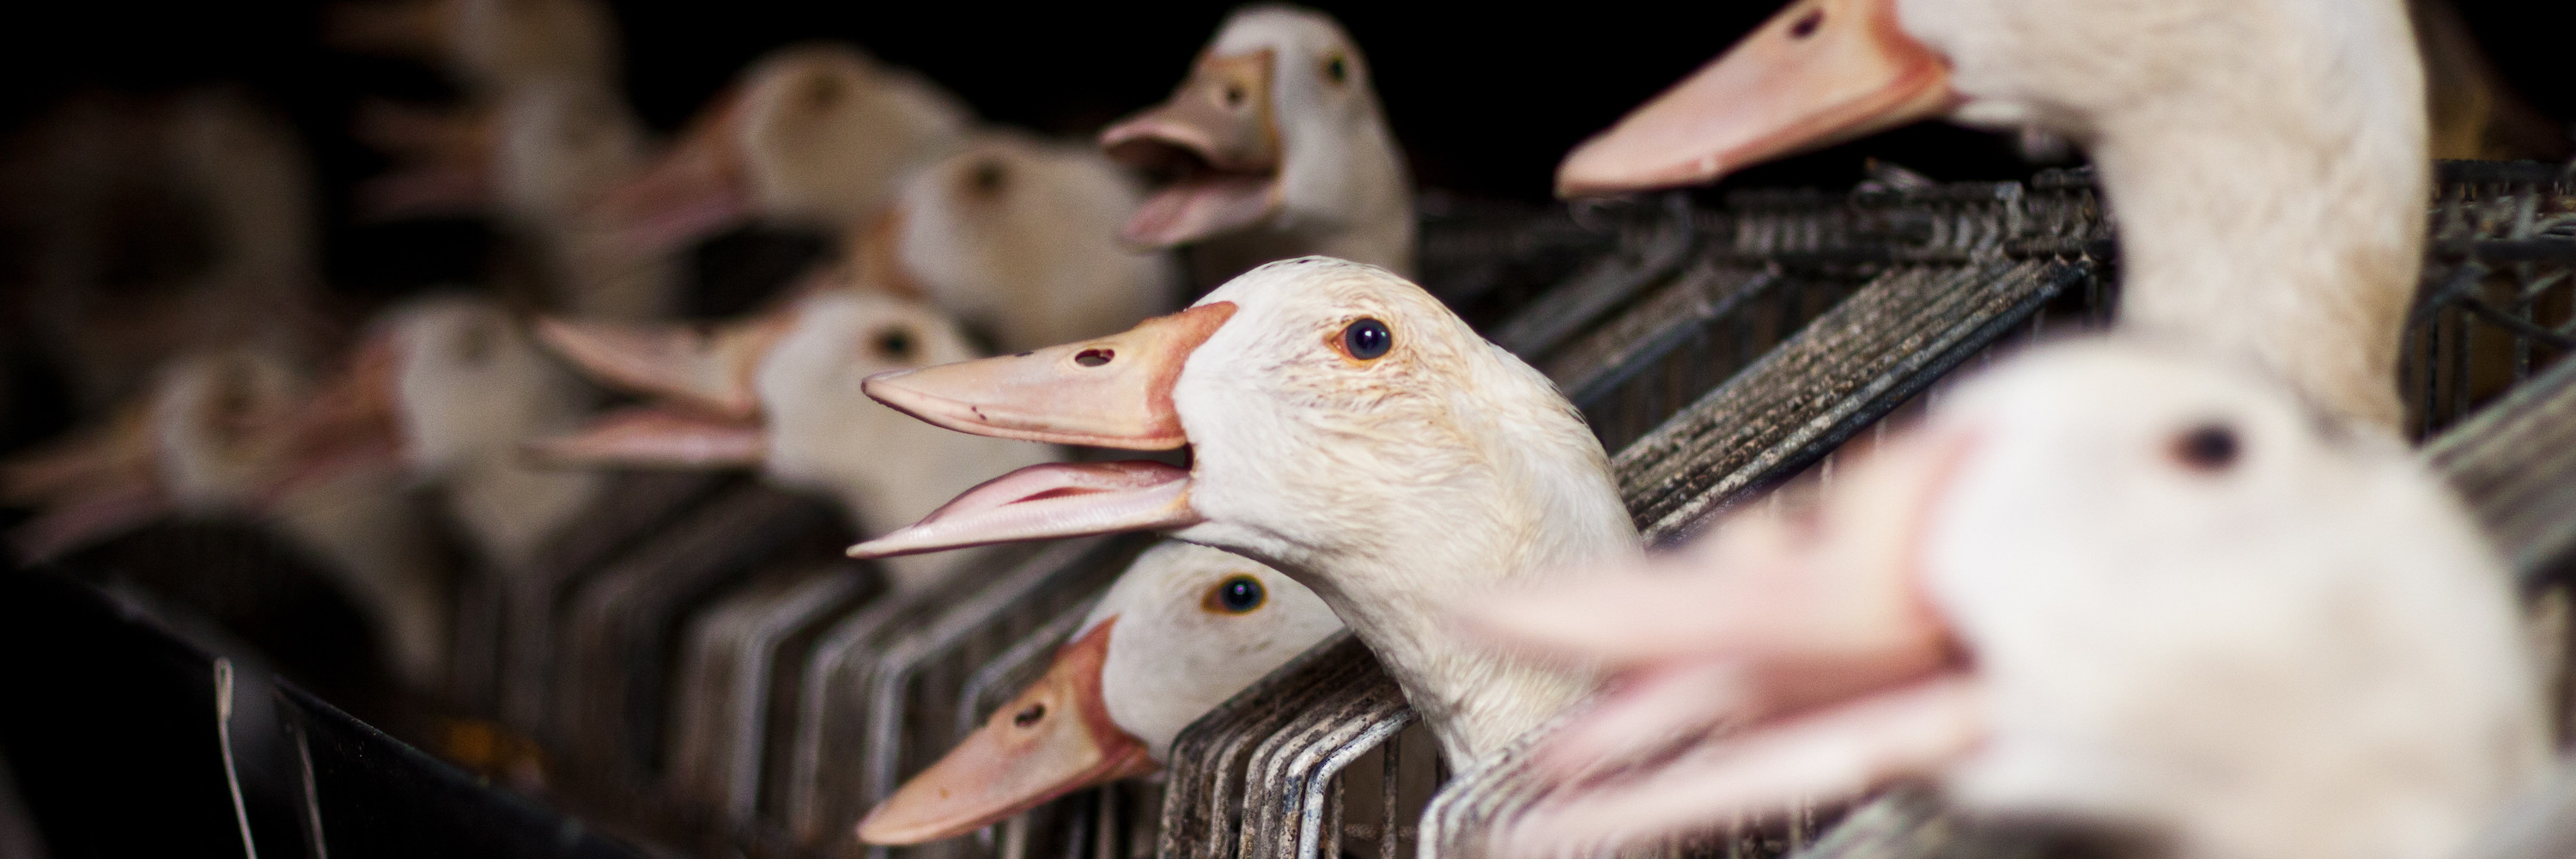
x,y
1029,715
475,346
1234,95
823,92
894,344
1807,24
990,177
1367,339
1337,69
1094,357
1236,595
2210,448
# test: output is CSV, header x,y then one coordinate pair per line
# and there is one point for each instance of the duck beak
x,y
651,437
98,483
349,423
1115,391
707,369
1217,132
409,28
448,158
1052,740
1789,655
1819,73
700,188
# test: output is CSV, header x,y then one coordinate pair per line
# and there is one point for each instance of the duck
x,y
490,44
2114,582
817,136
563,142
1342,427
1181,630
2266,161
1279,149
241,433
780,392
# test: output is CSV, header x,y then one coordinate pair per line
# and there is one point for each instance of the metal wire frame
x,y
2498,302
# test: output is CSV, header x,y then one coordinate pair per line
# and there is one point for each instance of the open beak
x,y
650,437
698,189
446,159
349,423
1790,655
1054,739
85,488
708,369
1114,391
1819,73
1217,134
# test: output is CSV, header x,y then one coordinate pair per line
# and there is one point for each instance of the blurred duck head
x,y
815,135
1182,630
1277,128
2103,583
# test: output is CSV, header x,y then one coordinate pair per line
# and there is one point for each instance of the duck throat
x,y
2292,239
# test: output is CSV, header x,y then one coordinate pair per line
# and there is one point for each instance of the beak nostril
x,y
1807,24
1234,96
1029,716
1094,357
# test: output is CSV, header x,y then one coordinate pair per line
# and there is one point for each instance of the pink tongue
x,y
1048,501
1198,207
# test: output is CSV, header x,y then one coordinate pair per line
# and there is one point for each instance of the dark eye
x,y
1236,595
1807,24
1367,339
2209,448
991,177
1234,95
1029,715
893,344
1337,69
823,92
475,345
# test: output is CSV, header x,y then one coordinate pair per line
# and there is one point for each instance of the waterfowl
x,y
563,142
1344,428
2107,583
1181,630
492,44
818,135
1278,149
2266,160
782,392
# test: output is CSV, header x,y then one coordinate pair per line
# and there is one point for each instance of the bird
x,y
1181,630
2266,160
1344,428
1277,148
781,391
2115,582
817,135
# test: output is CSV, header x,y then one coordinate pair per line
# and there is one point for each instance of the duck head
x,y
1277,130
1343,427
1181,631
2103,583
817,134
493,43
781,392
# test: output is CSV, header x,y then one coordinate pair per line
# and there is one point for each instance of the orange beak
x,y
1052,740
707,369
1218,133
700,188
1115,391
1819,73
650,437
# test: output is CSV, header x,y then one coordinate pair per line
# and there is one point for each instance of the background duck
x,y
1345,429
2104,583
2266,160
1277,148
1181,630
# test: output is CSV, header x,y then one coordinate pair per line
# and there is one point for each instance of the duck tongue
x,y
1043,502
657,437
1199,206
697,190
1818,73
1054,739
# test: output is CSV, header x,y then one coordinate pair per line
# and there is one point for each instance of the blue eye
x,y
1367,339
1236,595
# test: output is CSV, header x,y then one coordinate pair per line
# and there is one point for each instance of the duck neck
x,y
2292,234
510,510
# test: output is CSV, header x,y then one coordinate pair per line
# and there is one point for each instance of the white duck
x,y
1344,428
2104,583
1181,631
782,392
563,142
235,433
817,135
2266,159
1280,148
